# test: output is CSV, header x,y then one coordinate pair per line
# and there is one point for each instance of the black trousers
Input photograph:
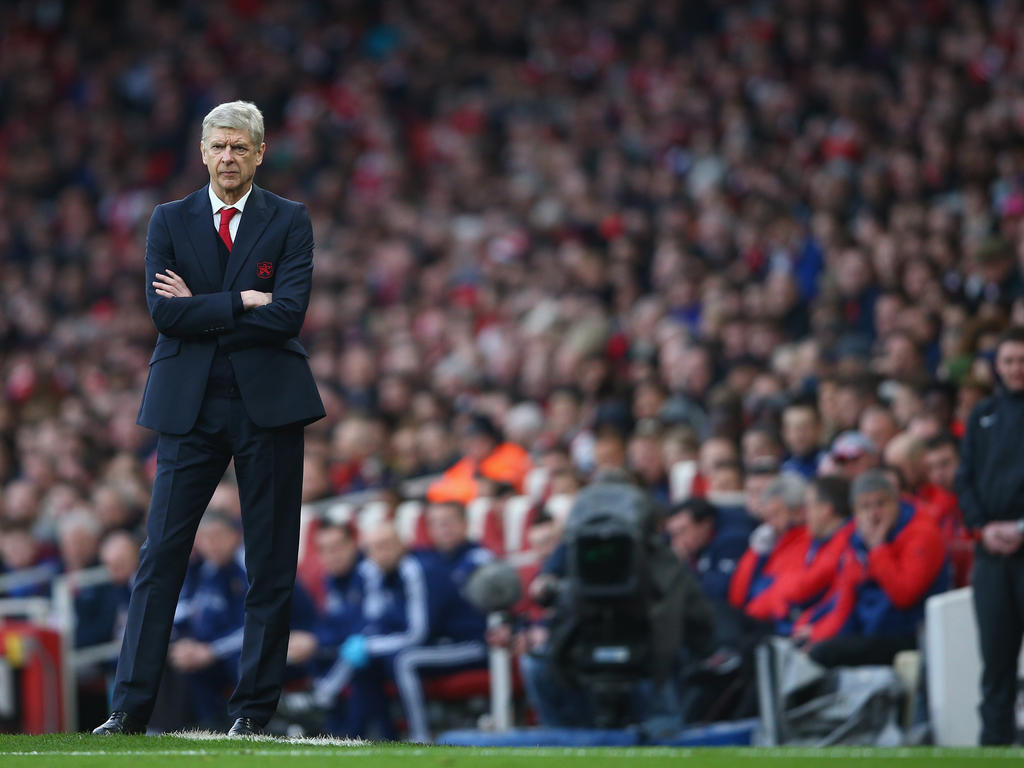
x,y
268,466
858,650
999,608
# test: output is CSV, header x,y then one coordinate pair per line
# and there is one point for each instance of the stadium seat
x,y
371,514
536,483
407,517
515,516
476,515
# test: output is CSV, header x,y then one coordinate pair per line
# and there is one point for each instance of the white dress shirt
x,y
216,203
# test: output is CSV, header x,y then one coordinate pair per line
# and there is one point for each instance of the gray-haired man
x,y
228,277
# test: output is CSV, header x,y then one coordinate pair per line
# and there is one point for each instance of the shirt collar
x,y
216,203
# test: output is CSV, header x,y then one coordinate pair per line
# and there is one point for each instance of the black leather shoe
x,y
245,726
120,724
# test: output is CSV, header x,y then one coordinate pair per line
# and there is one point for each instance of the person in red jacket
x,y
827,512
894,560
777,546
941,457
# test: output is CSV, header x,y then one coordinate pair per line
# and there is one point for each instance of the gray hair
x,y
238,115
870,481
789,487
79,520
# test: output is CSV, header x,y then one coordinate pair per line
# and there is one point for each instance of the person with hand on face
x,y
990,485
229,274
894,561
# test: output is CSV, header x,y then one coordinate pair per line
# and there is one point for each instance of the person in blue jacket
x,y
708,544
458,639
210,620
340,617
398,612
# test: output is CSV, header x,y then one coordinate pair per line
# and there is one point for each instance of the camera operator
x,y
626,615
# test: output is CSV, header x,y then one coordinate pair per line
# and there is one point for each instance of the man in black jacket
x,y
990,484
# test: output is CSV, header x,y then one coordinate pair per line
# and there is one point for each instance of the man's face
x,y
1010,365
819,513
384,548
875,510
778,515
121,558
687,537
940,466
337,550
800,430
218,542
231,157
447,526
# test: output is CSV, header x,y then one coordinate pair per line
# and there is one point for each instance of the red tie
x,y
225,220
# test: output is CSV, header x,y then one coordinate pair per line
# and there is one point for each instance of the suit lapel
x,y
200,233
255,217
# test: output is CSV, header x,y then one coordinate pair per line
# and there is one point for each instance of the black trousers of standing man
x,y
268,467
998,583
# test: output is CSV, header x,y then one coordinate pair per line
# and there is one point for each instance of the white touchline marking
x,y
555,752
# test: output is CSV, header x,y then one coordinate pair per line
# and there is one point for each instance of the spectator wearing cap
x,y
484,456
851,454
209,625
895,559
801,435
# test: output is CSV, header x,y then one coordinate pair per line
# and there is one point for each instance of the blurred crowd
x,y
739,237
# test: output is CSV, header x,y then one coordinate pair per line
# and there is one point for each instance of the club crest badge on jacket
x,y
265,269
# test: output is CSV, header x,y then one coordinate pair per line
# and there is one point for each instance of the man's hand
x,y
802,634
301,646
171,286
187,655
1001,537
873,533
253,299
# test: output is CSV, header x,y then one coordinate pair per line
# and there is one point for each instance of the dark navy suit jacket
x,y
273,252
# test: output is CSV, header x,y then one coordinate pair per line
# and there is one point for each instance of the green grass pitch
x,y
69,751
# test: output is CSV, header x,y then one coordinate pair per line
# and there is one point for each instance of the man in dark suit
x,y
228,272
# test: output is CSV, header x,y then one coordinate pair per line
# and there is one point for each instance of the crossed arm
x,y
245,319
172,286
